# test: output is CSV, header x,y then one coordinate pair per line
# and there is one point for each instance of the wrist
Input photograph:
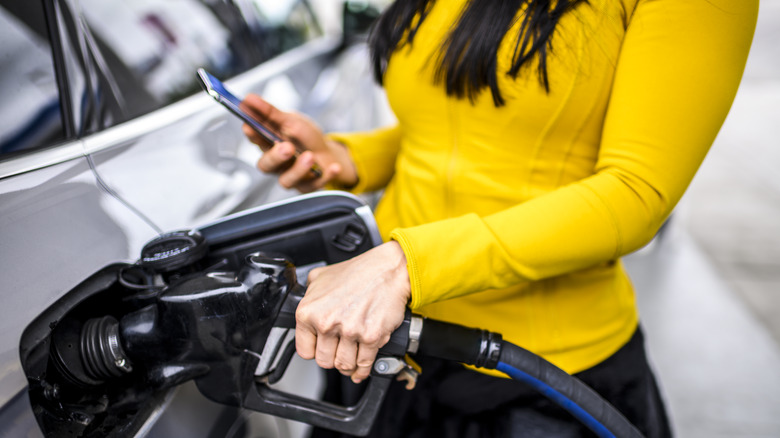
x,y
397,261
347,177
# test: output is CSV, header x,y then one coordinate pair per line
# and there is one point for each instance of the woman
x,y
537,142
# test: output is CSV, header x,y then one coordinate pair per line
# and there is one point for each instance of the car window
x,y
151,49
30,111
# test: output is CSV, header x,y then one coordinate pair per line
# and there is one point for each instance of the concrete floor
x,y
733,206
709,290
717,364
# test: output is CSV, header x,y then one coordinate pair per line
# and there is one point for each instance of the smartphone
x,y
216,89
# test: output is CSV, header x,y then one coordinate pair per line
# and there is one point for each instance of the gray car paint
x,y
206,169
57,226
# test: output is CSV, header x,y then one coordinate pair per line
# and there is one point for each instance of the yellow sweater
x,y
513,219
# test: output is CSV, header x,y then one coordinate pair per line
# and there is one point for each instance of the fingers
x,y
325,346
255,138
296,172
335,348
365,360
305,341
346,356
325,355
264,112
299,172
292,126
277,158
303,178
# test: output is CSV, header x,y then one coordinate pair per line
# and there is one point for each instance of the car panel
x,y
206,167
32,161
57,225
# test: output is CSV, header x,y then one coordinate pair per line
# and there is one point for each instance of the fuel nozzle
x,y
101,349
209,327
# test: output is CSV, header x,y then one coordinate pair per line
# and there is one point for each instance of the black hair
x,y
468,56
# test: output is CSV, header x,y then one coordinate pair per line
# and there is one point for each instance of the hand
x,y
351,308
301,134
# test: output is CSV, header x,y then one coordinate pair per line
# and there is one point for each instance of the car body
x,y
107,141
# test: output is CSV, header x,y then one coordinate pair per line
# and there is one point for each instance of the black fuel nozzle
x,y
208,327
230,333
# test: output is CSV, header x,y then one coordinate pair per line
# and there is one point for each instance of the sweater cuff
x,y
446,259
411,267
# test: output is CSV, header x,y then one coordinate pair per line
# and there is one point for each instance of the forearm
x,y
572,228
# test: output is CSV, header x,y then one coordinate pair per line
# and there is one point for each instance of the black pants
x,y
453,402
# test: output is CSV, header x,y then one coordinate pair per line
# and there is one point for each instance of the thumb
x,y
263,111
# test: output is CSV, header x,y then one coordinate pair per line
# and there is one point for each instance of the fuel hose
x,y
486,349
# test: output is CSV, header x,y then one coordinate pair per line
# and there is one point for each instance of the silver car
x,y
106,141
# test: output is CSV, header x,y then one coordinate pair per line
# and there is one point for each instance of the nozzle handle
x,y
352,420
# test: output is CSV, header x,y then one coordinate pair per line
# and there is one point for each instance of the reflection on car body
x,y
30,113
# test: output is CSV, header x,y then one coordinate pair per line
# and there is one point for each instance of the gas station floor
x,y
718,366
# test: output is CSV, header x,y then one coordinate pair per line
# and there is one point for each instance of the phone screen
x,y
216,89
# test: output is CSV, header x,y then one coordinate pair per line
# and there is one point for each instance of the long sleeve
x,y
678,71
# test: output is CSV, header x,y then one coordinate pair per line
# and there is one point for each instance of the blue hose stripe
x,y
558,398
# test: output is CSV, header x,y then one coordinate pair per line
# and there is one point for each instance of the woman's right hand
x,y
302,135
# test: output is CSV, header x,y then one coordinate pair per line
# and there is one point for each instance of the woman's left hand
x,y
351,308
